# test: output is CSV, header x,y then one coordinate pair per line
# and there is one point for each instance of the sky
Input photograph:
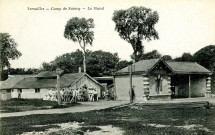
x,y
183,26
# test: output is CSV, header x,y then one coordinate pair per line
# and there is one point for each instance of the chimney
x,y
79,69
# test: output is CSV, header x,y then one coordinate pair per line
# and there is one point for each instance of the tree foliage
x,y
167,57
135,24
80,30
8,50
23,71
154,54
186,57
69,62
100,63
18,71
123,63
206,57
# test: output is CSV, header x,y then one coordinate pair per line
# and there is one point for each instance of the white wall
x,y
5,95
30,93
123,86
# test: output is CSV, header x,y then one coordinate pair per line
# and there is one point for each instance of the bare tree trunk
x,y
84,55
1,72
135,56
84,61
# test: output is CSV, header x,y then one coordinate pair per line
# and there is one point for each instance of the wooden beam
x,y
189,86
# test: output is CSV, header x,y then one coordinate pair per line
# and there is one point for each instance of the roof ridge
x,y
145,60
181,62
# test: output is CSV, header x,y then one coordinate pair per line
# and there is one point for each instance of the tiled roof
x,y
33,82
176,67
187,67
12,81
140,66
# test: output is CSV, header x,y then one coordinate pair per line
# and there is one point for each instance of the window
x,y
12,90
37,90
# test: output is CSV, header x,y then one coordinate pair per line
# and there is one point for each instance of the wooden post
x,y
130,92
58,90
114,87
58,72
189,86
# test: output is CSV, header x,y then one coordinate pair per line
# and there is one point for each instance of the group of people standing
x,y
79,94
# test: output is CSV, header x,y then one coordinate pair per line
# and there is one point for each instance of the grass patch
x,y
19,105
132,121
27,102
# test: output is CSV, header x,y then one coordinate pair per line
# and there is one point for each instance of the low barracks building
x,y
156,78
38,86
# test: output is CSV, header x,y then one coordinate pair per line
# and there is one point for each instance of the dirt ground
x,y
102,104
86,106
93,118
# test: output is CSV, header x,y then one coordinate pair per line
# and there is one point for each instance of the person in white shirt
x,y
74,95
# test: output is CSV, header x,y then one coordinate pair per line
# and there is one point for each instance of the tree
x,y
154,54
68,62
206,57
167,57
99,63
8,50
186,57
22,71
48,66
102,63
122,64
134,25
79,30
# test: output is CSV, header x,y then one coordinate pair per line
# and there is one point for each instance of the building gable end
x,y
161,67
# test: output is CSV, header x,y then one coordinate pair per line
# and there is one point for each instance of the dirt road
x,y
85,106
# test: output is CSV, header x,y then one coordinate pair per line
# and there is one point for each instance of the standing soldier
x,y
132,94
19,94
74,96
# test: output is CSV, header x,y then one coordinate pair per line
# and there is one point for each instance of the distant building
x,y
105,81
155,78
36,87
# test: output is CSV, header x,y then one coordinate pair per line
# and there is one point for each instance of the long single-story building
x,y
37,87
156,78
7,85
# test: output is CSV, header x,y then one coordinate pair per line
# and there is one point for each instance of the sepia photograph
x,y
107,67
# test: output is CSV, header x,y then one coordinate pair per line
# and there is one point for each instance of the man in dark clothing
x,y
132,93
